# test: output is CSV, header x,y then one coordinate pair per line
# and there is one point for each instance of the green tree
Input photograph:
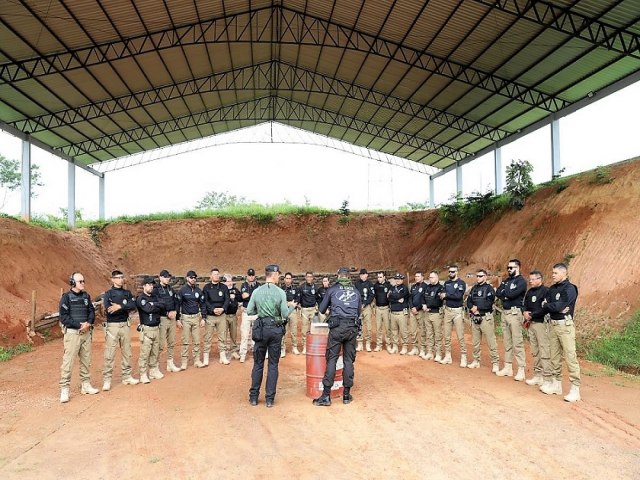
x,y
11,178
218,200
519,182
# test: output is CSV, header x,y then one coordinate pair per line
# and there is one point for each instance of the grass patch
x,y
601,176
620,350
7,354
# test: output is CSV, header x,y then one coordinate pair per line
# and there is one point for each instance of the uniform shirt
x,y
150,309
235,297
416,296
344,300
320,294
249,288
396,293
481,296
216,295
167,296
432,297
455,291
269,301
512,291
307,294
190,301
292,293
533,302
366,291
560,296
76,308
121,297
381,290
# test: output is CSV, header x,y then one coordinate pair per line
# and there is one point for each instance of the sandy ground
x,y
410,419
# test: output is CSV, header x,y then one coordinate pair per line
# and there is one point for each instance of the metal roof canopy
x,y
435,82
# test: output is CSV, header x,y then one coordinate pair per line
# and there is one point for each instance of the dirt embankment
x,y
595,226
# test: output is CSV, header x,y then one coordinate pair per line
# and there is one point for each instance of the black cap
x,y
272,268
191,273
251,271
148,280
363,271
343,270
398,276
115,273
165,274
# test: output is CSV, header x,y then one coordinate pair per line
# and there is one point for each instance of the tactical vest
x,y
78,306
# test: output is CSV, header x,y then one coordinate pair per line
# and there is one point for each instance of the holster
x,y
257,333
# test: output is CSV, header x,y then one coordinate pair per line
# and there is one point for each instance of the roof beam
x,y
294,28
562,19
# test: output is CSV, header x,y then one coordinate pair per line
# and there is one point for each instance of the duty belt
x,y
453,308
557,322
190,315
148,326
382,306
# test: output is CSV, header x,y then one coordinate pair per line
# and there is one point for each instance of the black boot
x,y
323,400
346,395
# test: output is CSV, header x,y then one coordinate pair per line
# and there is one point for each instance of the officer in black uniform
x,y
344,323
191,309
538,334
432,305
381,289
365,287
399,305
231,314
308,303
320,294
167,296
150,310
247,288
293,301
480,304
216,300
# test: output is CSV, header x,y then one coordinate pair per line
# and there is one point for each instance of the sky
x,y
602,133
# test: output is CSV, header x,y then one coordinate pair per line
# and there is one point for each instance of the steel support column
x,y
71,195
101,214
432,193
459,179
25,205
556,164
497,162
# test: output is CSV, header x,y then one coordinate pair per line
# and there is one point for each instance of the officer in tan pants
x,y
367,295
538,330
433,317
150,310
383,317
191,309
167,296
417,326
480,306
454,289
77,316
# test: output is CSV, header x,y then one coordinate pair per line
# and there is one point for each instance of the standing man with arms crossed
x,y
538,330
480,305
454,289
77,315
118,303
417,328
150,310
399,306
433,317
216,300
308,297
231,314
247,288
344,323
560,303
365,288
269,303
381,290
293,300
167,296
322,291
511,292
191,309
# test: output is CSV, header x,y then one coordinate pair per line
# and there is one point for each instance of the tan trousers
x,y
167,336
367,312
117,334
245,331
399,321
190,330
433,322
417,332
453,318
76,345
292,325
219,323
512,336
487,329
540,348
149,348
306,315
383,318
232,331
563,341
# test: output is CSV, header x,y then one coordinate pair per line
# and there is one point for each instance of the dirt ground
x,y
410,419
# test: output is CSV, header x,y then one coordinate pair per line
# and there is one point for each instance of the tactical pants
x,y
245,331
563,341
540,348
272,343
417,333
488,329
512,336
219,323
117,334
365,333
399,322
75,345
291,324
232,331
306,315
433,323
190,330
167,336
453,318
343,337
149,348
383,318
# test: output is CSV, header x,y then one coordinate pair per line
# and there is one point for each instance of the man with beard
x,y
538,330
432,307
454,289
365,288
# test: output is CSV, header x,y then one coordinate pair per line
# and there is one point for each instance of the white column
x,y
497,162
71,197
432,193
459,179
101,214
25,206
556,165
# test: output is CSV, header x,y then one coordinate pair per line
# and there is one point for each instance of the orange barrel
x,y
316,365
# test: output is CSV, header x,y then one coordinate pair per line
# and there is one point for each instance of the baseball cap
x,y
191,273
165,274
343,270
251,271
148,280
272,268
398,276
363,271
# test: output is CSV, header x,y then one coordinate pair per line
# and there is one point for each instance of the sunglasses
x,y
118,277
79,281
453,271
511,268
480,276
